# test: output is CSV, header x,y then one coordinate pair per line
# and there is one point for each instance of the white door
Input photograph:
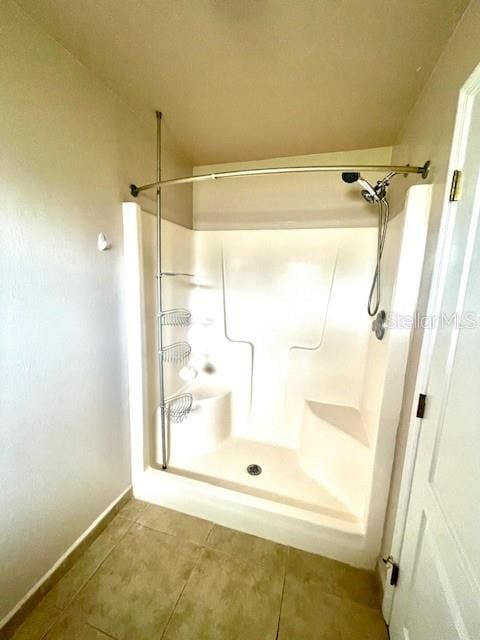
x,y
438,593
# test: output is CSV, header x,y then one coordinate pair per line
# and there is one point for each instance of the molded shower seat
x,y
347,419
207,426
334,450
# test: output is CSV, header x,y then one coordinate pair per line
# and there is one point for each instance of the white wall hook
x,y
102,243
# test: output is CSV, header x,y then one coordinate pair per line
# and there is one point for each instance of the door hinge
x,y
456,186
421,405
395,570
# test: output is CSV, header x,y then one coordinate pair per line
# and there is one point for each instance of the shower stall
x,y
281,402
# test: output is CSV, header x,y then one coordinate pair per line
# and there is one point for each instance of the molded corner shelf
x,y
343,417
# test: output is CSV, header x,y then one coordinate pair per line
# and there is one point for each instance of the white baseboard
x,y
37,587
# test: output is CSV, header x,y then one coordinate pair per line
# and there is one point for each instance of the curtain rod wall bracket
x,y
426,170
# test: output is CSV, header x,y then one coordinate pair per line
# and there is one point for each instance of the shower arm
x,y
392,169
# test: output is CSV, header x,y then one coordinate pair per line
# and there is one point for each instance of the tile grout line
x,y
60,614
181,592
177,535
69,607
201,548
209,532
236,558
107,635
146,508
172,535
205,543
283,592
63,611
23,611
68,610
101,563
150,528
233,556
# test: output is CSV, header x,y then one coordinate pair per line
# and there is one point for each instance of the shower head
x,y
369,192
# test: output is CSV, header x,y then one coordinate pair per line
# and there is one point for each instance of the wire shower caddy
x,y
177,353
175,318
175,408
178,407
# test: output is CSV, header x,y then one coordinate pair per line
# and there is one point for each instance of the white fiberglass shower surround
x,y
286,376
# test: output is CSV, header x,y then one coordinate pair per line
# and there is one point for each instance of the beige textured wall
x,y
295,201
428,135
68,150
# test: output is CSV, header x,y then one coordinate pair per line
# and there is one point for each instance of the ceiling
x,y
251,79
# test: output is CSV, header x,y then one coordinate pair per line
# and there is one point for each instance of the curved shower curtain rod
x,y
423,171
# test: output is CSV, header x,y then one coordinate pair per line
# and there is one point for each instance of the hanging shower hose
x,y
374,296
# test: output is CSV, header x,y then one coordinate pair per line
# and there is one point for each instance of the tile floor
x,y
158,574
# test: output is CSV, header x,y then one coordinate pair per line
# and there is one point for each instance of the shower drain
x,y
254,469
